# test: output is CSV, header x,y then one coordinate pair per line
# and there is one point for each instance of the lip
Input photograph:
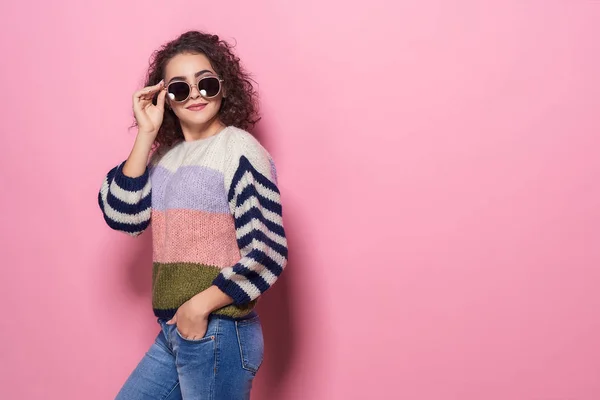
x,y
197,107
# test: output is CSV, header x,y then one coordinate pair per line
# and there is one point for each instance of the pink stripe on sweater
x,y
182,235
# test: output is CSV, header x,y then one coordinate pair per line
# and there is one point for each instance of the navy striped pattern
x,y
256,204
125,201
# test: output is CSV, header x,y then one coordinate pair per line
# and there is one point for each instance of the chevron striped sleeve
x,y
254,201
126,201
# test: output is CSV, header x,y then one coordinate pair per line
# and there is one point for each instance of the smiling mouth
x,y
196,107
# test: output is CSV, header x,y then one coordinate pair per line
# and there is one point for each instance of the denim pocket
x,y
251,342
206,337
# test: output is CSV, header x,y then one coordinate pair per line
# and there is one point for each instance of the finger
x,y
157,87
142,101
148,91
139,105
145,94
139,101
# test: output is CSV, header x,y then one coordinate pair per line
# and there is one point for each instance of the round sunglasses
x,y
208,86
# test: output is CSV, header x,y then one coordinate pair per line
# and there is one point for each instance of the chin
x,y
200,119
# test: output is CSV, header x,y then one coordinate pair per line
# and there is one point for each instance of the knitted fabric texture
x,y
216,217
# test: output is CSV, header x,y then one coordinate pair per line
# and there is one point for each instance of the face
x,y
196,110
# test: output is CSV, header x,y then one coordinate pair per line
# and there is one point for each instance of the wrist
x,y
201,305
145,137
210,300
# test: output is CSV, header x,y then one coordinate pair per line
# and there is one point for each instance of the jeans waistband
x,y
250,315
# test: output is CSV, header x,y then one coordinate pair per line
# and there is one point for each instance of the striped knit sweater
x,y
216,219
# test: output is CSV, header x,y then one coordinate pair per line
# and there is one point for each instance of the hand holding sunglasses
x,y
149,116
208,86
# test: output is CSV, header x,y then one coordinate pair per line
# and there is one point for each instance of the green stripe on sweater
x,y
175,283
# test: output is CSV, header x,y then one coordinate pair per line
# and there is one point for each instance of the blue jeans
x,y
219,366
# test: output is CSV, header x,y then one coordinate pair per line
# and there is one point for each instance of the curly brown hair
x,y
239,108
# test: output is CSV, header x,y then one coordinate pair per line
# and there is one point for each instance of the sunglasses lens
x,y
211,85
180,90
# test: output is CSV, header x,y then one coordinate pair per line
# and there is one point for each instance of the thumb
x,y
160,100
172,320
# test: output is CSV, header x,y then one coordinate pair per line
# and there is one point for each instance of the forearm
x,y
211,299
125,195
138,158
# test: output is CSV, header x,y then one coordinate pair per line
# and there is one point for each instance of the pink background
x,y
439,168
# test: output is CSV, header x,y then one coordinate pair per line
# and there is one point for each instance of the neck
x,y
210,128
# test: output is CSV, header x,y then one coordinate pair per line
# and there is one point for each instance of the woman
x,y
210,190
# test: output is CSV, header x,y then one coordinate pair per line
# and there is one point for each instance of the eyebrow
x,y
197,74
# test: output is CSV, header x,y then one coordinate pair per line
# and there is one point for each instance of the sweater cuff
x,y
230,288
128,183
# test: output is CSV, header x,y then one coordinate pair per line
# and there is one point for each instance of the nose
x,y
195,92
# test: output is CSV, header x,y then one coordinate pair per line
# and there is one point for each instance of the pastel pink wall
x,y
439,166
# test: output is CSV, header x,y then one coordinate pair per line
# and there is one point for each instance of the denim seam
x,y
171,391
242,356
167,340
216,366
164,347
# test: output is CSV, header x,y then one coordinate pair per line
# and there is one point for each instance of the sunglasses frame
x,y
196,85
